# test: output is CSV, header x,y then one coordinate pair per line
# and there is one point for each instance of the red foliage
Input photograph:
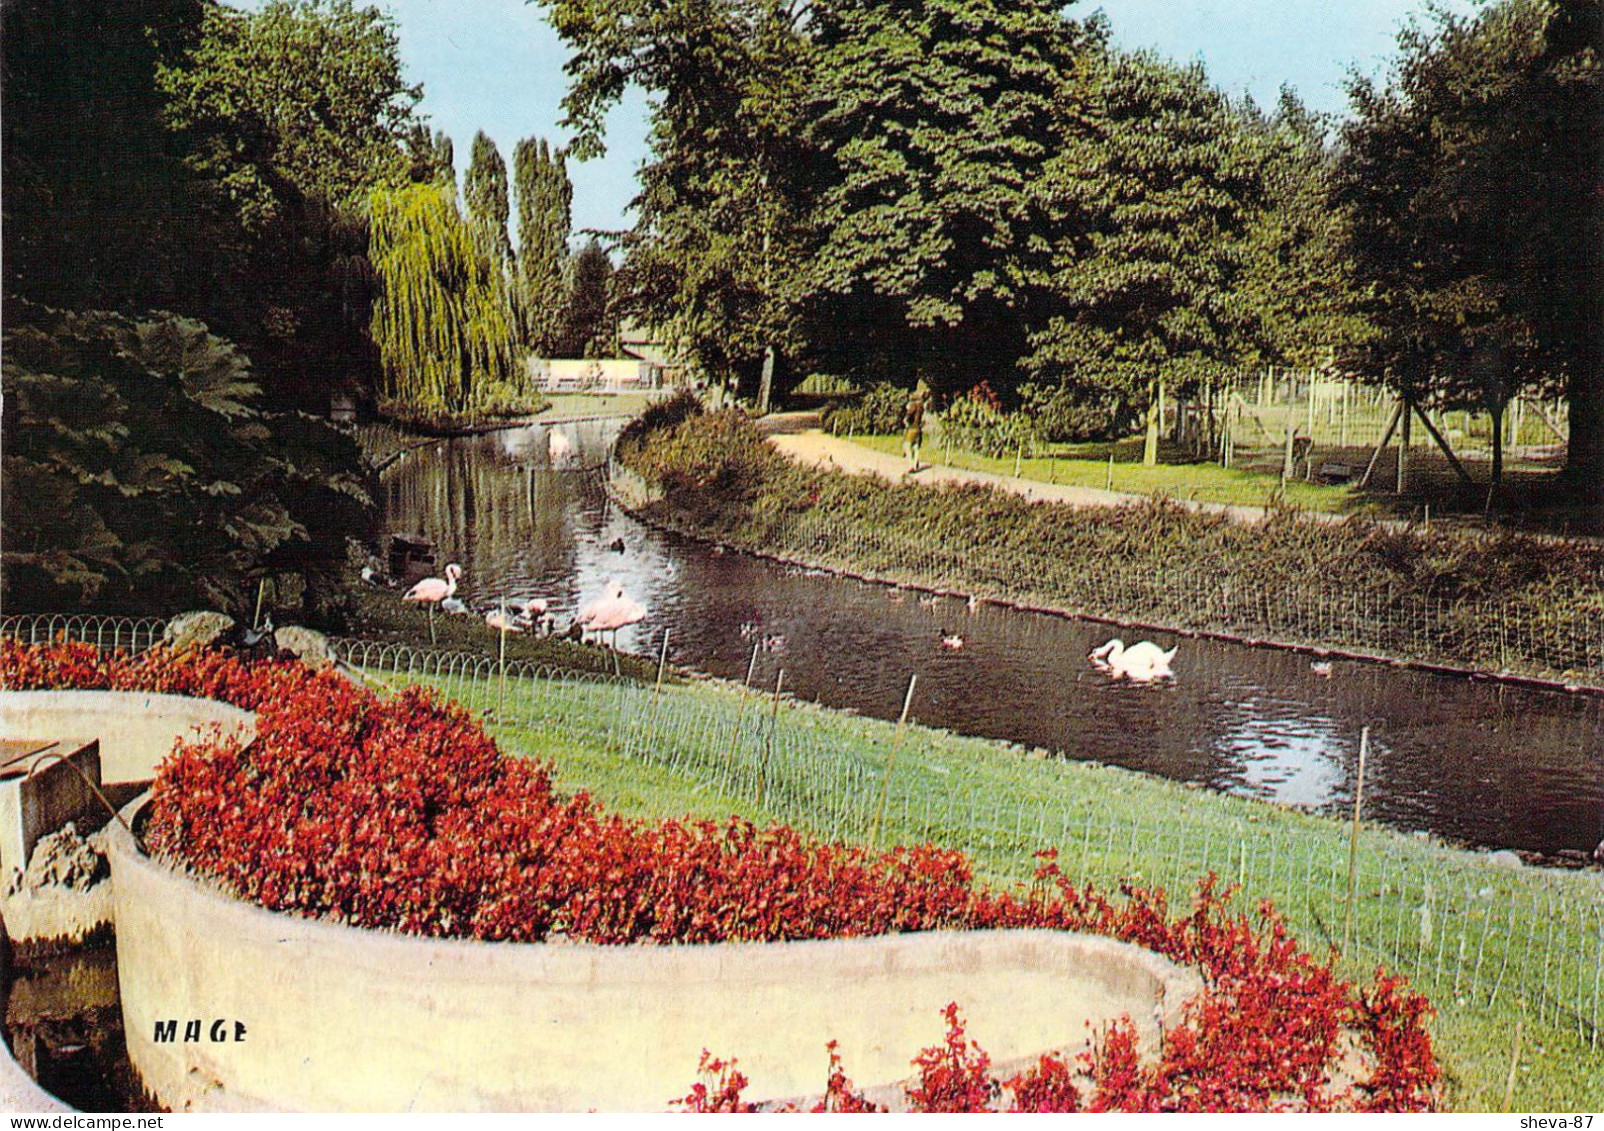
x,y
401,813
838,1093
953,1076
725,1094
1050,1086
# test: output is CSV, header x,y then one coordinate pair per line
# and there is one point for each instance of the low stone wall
x,y
136,729
299,1014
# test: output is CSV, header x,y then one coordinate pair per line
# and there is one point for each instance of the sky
x,y
497,66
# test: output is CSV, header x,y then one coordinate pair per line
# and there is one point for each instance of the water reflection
x,y
1477,761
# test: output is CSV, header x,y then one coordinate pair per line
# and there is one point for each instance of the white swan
x,y
1143,661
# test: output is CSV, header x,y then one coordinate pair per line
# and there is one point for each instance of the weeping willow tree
x,y
442,318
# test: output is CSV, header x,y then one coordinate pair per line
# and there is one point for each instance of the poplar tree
x,y
441,319
545,197
589,331
484,190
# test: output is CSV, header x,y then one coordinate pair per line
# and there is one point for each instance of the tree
x,y
590,331
484,191
545,197
303,93
98,204
935,120
1153,194
442,320
1474,181
431,157
719,236
1297,277
121,432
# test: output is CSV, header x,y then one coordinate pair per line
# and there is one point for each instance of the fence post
x,y
1353,840
768,747
891,762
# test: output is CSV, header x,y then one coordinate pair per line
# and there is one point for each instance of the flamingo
x,y
499,621
1141,662
432,591
454,606
558,448
610,613
952,642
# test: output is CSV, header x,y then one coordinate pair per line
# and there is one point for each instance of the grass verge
x,y
1491,946
1088,465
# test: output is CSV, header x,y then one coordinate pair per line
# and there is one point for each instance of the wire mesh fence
x,y
1483,942
1481,633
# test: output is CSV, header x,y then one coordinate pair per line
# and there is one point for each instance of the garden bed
x,y
401,814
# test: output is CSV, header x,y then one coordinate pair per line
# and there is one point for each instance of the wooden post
x,y
891,763
740,711
1392,424
1514,1065
1353,840
501,664
657,692
768,748
1403,450
1453,460
1286,459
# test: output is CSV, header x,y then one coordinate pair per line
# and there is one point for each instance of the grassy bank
x,y
1089,465
1491,946
1493,603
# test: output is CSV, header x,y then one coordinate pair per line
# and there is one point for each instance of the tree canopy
x,y
1473,179
545,198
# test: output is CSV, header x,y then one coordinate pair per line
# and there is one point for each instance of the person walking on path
x,y
913,423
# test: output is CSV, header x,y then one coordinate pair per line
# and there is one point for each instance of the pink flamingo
x,y
431,591
610,613
499,621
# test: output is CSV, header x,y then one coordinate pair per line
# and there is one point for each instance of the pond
x,y
1474,761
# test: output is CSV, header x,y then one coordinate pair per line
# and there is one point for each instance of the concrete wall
x,y
343,1019
136,729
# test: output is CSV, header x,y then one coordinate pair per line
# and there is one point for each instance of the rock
x,y
312,648
1504,858
64,860
198,629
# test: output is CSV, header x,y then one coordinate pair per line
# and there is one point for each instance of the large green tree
x,y
1297,280
307,94
99,207
1153,195
935,121
715,253
589,330
484,191
545,198
1475,178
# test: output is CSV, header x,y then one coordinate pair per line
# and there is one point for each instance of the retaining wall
x,y
136,729
338,1018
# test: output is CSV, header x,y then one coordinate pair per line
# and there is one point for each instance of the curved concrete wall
x,y
343,1019
136,729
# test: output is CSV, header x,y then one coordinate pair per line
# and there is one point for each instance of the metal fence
x,y
1473,936
1483,942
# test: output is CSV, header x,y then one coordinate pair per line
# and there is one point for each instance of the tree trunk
x,y
1155,406
1497,411
1584,453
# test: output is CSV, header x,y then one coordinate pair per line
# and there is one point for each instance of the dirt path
x,y
797,435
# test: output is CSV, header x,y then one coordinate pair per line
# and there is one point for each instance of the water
x,y
1473,761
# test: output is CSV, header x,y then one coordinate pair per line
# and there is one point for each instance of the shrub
x,y
876,411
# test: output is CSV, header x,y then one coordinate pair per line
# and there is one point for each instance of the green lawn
x,y
1492,947
1087,465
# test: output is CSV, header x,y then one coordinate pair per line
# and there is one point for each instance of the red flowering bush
x,y
401,813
